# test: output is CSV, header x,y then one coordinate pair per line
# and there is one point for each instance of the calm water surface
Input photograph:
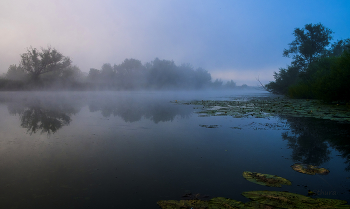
x,y
132,149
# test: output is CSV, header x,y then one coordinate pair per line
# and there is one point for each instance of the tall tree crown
x,y
310,42
36,62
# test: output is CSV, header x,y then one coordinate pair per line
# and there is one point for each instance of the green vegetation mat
x,y
309,169
263,108
260,199
266,179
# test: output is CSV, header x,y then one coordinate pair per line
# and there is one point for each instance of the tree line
x,y
319,69
49,69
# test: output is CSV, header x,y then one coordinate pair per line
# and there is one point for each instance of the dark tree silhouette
x,y
310,42
36,62
48,121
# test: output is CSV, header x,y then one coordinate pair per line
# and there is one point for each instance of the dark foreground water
x,y
132,149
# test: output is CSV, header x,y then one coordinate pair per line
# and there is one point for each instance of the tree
x,y
202,78
309,44
16,73
230,84
339,47
94,74
217,84
163,74
36,63
283,79
130,74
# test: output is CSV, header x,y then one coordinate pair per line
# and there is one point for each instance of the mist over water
x,y
130,149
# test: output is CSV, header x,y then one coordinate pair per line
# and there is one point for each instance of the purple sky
x,y
238,40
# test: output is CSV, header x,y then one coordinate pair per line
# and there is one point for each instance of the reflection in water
x,y
132,109
48,121
112,163
48,114
307,148
311,139
41,114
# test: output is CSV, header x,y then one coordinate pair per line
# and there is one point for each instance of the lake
x,y
132,149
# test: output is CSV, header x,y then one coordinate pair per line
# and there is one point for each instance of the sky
x,y
231,39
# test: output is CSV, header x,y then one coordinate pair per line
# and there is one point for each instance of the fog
x,y
232,40
129,103
46,112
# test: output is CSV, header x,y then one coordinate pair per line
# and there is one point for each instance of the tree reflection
x,y
311,138
307,148
46,116
48,121
134,109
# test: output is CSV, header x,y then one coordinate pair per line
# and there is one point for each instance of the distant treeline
x,y
319,70
49,69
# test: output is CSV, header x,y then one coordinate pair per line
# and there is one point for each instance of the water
x,y
132,149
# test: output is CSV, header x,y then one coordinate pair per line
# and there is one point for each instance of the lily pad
x,y
292,200
309,169
266,179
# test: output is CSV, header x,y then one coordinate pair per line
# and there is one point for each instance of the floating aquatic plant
x,y
183,204
309,169
259,108
215,203
260,199
266,179
292,200
221,203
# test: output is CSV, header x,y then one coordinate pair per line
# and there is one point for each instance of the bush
x,y
326,79
6,84
336,86
301,90
283,80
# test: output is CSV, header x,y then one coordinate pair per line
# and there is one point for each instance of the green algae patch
x,y
175,204
263,108
260,199
221,203
215,203
291,200
309,169
266,179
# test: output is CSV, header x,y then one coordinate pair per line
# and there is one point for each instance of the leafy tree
x,y
162,74
335,85
130,74
230,84
310,46
202,78
326,79
16,73
94,74
306,86
129,64
187,76
35,62
283,79
107,76
72,74
339,47
310,42
217,83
